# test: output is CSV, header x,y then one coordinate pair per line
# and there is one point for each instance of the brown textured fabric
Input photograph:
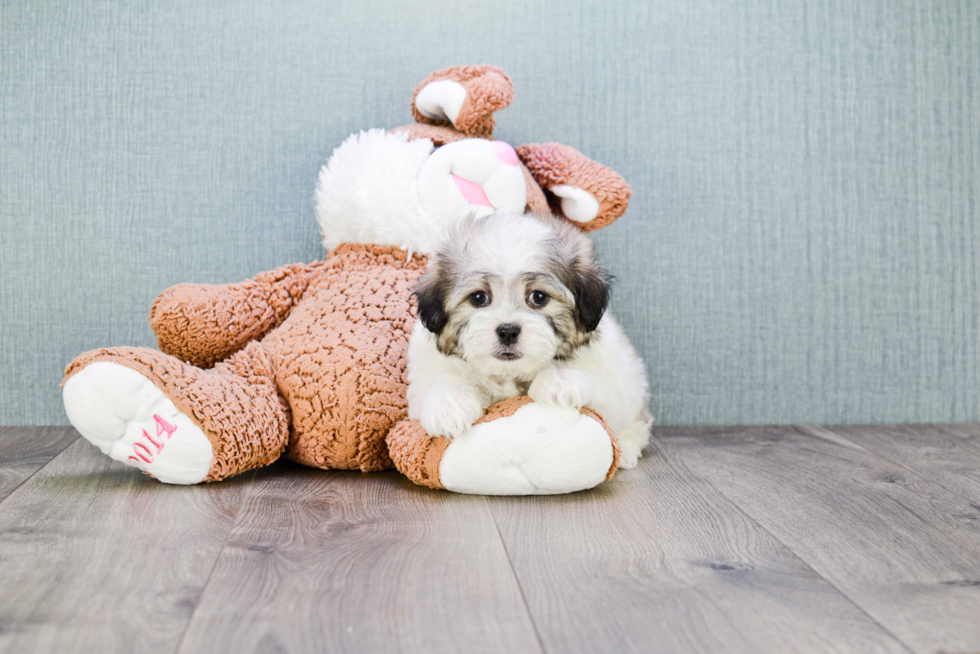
x,y
328,380
438,134
553,164
536,199
612,438
235,404
340,357
416,454
503,409
203,324
488,89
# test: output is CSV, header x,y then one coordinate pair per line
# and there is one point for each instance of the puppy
x,y
515,304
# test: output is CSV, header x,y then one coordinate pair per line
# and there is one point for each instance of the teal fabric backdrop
x,y
802,243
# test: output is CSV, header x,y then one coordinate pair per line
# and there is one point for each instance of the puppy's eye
x,y
538,299
479,299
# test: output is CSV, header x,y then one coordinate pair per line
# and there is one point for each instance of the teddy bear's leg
x,y
518,447
463,96
176,422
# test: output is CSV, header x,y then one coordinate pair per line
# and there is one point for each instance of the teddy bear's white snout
x,y
471,176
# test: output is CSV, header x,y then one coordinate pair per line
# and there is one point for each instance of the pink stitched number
x,y
159,444
148,456
164,426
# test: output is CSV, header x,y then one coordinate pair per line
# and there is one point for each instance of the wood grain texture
x,y
96,557
722,540
900,545
24,450
658,561
347,562
948,455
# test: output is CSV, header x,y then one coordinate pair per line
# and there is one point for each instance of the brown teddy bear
x,y
309,359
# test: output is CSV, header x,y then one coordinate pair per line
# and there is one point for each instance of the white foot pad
x,y
441,100
131,420
539,450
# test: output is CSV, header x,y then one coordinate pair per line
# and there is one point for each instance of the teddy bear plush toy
x,y
310,359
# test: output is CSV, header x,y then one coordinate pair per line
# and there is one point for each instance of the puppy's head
x,y
511,292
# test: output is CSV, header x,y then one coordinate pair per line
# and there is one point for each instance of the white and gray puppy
x,y
515,304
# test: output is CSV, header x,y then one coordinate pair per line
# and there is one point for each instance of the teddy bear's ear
x,y
587,193
463,97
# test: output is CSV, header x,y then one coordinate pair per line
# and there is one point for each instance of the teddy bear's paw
x,y
587,193
441,100
449,412
132,421
577,204
536,450
561,387
465,97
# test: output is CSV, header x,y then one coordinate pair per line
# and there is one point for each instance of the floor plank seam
x,y
884,457
217,559
679,457
517,579
31,476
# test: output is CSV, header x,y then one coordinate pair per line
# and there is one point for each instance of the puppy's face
x,y
512,292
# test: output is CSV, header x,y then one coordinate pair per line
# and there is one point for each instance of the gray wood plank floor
x,y
770,539
25,450
889,538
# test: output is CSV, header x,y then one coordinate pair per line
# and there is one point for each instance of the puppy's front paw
x,y
561,387
450,412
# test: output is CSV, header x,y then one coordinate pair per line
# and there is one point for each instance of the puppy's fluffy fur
x,y
515,304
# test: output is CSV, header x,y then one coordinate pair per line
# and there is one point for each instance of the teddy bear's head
x,y
404,186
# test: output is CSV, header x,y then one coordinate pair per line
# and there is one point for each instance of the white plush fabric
x,y
539,450
368,193
121,412
441,100
474,160
577,204
379,187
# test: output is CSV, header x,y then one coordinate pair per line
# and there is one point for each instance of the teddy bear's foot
x,y
517,448
133,401
132,421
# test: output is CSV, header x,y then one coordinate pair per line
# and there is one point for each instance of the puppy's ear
x,y
430,293
590,286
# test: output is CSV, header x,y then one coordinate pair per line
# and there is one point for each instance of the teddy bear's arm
x,y
585,192
203,324
464,97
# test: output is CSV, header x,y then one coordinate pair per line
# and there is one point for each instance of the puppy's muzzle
x,y
508,333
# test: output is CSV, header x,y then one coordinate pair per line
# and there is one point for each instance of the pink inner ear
x,y
472,192
505,153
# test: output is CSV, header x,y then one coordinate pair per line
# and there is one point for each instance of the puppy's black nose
x,y
508,333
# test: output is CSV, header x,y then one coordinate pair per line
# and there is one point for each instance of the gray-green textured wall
x,y
801,246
